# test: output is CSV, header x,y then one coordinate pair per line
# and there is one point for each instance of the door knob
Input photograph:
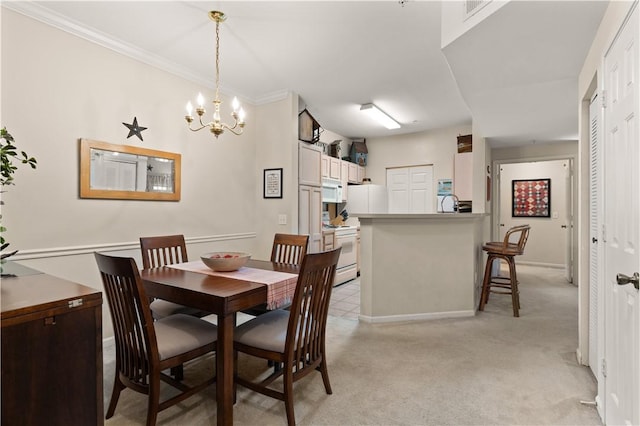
x,y
563,226
502,224
623,279
594,240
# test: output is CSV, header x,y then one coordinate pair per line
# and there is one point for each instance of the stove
x,y
347,238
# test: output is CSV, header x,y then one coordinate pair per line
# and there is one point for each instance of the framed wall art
x,y
272,183
531,198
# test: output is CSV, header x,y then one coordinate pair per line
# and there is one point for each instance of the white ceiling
x,y
515,73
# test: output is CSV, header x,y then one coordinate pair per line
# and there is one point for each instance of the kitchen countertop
x,y
454,216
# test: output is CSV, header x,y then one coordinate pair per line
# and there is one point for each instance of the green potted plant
x,y
9,153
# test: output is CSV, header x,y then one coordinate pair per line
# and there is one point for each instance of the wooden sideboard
x,y
51,350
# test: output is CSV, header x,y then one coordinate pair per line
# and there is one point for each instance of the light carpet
x,y
491,369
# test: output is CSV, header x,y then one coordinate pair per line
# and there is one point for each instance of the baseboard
x,y
546,265
415,317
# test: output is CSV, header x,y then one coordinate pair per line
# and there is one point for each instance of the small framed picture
x,y
272,183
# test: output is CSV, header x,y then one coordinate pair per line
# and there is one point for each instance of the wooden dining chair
x,y
160,251
506,250
289,248
144,347
294,338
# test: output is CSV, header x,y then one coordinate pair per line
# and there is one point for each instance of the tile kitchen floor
x,y
345,300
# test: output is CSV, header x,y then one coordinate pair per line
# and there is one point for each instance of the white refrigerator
x,y
367,199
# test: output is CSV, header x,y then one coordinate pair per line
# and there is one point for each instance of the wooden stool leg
x,y
484,295
515,298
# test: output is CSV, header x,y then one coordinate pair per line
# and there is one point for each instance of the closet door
x,y
411,189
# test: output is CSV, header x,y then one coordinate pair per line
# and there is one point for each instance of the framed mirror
x,y
122,172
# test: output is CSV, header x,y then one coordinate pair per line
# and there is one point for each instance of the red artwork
x,y
531,198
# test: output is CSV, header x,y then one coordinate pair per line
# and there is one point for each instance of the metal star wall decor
x,y
134,129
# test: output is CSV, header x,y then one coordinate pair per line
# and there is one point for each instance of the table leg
x,y
224,369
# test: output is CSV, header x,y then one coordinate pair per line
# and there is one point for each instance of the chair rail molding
x,y
110,247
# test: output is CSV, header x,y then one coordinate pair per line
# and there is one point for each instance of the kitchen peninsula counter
x,y
420,266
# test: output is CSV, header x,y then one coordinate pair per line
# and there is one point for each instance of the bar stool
x,y
504,250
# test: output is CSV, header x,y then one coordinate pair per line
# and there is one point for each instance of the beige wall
x,y
58,88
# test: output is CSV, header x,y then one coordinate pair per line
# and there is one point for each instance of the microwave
x,y
331,191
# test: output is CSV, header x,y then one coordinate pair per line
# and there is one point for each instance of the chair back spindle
x,y
163,250
289,248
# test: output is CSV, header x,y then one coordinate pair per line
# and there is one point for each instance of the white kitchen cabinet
x,y
309,165
463,176
344,178
328,239
334,168
325,166
361,174
310,215
353,173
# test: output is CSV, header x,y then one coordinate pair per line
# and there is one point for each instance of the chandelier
x,y
217,127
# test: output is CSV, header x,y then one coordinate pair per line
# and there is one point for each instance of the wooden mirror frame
x,y
85,173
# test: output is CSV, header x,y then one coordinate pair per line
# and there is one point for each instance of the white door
x,y
398,186
595,255
622,228
421,189
410,189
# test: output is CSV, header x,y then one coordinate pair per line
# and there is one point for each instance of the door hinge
x,y
604,233
75,303
604,95
604,367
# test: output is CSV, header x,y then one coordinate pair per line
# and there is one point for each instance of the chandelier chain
x,y
217,58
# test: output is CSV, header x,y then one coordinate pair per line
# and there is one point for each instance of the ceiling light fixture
x,y
216,126
378,115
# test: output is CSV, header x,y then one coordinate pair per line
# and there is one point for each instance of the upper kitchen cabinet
x,y
309,165
353,173
331,167
334,168
325,166
361,174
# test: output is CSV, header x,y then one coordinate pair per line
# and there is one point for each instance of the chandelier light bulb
x,y
189,108
241,115
200,100
235,104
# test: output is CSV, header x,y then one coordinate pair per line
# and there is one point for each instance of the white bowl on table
x,y
225,261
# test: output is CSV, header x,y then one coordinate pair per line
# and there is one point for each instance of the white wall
x,y
436,147
58,88
454,23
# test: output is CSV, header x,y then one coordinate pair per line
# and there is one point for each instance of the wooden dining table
x,y
220,295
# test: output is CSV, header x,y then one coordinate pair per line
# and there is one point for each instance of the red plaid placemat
x,y
280,285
